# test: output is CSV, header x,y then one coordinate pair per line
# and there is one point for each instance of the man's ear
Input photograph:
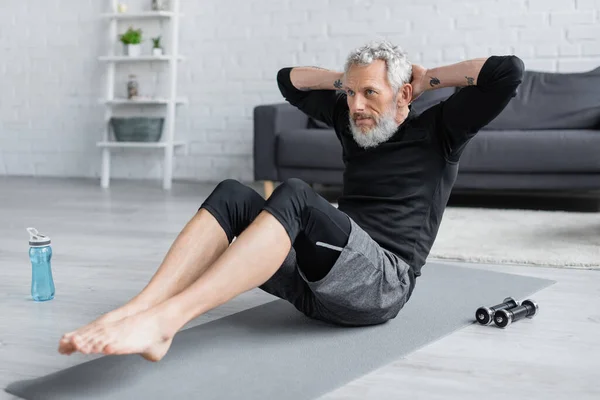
x,y
404,97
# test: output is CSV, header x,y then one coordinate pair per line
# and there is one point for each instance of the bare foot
x,y
157,351
66,345
146,333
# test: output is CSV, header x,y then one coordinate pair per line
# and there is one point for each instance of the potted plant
x,y
156,48
132,40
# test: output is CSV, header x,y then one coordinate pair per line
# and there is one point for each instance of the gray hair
x,y
399,69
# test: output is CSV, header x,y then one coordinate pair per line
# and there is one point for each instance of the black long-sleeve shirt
x,y
398,190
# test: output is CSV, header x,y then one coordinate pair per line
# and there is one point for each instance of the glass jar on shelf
x,y
159,5
132,87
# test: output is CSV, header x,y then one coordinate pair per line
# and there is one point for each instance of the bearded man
x,y
353,265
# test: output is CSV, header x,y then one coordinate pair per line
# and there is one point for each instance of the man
x,y
356,265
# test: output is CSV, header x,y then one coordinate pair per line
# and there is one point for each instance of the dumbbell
x,y
485,315
503,318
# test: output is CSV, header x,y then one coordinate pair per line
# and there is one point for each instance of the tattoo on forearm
x,y
338,84
470,81
434,82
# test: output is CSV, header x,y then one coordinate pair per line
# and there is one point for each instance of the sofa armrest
x,y
269,121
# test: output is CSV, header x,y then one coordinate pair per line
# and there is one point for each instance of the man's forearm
x,y
314,78
464,73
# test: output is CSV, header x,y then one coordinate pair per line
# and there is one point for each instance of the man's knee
x,y
233,190
297,206
230,187
235,206
296,184
293,187
293,197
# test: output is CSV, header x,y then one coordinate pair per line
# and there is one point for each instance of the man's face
x,y
371,102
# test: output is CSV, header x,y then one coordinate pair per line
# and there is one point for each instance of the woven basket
x,y
137,129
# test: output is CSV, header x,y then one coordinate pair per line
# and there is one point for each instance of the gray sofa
x,y
547,138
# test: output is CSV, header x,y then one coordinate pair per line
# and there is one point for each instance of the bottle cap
x,y
37,239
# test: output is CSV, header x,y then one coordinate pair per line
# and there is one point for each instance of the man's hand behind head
x,y
418,81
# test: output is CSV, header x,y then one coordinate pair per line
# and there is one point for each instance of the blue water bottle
x,y
40,254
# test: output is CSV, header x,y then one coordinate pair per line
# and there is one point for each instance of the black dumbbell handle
x,y
508,303
527,309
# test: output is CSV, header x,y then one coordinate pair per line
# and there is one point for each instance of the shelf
x,y
164,100
181,100
137,59
140,145
141,15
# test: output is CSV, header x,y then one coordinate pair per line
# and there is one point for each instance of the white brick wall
x,y
50,79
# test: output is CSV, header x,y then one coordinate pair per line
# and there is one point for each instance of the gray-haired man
x,y
352,265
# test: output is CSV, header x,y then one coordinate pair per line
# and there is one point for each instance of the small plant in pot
x,y
132,40
156,48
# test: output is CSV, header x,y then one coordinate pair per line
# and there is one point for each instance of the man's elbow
x,y
280,77
283,78
281,74
501,72
515,69
506,73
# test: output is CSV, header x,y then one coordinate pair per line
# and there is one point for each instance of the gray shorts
x,y
367,285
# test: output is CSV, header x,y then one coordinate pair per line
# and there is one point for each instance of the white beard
x,y
381,132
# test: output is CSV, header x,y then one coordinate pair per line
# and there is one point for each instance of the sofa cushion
x,y
309,148
553,101
538,151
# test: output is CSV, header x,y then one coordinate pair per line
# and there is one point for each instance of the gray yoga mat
x,y
274,352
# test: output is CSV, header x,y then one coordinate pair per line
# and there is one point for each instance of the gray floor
x,y
108,243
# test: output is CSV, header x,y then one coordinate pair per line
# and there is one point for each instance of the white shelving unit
x,y
149,145
140,15
168,142
134,59
142,101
